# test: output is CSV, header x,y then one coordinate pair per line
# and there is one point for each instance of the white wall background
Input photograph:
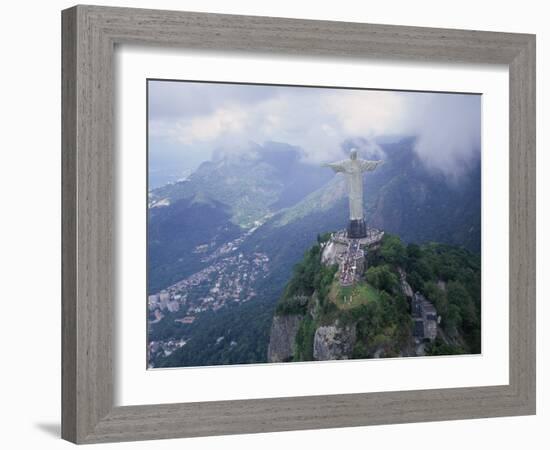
x,y
30,225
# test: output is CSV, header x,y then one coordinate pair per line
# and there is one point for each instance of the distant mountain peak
x,y
253,184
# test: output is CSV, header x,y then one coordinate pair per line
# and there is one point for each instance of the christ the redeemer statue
x,y
353,168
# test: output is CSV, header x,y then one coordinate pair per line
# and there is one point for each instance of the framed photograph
x,y
278,224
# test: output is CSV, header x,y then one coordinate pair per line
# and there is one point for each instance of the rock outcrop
x,y
332,252
405,286
333,342
283,335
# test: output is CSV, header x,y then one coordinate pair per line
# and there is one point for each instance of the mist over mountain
x,y
189,121
251,184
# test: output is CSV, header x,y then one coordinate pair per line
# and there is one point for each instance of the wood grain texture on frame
x,y
90,34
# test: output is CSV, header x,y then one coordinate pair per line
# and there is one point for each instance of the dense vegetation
x,y
237,334
304,339
448,276
309,276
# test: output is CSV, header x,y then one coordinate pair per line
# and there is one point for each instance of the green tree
x,y
415,280
303,349
382,278
453,319
359,350
413,251
438,347
393,251
437,296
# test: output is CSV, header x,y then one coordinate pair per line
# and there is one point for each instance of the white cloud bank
x,y
206,117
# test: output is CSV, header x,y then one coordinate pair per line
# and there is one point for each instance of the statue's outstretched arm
x,y
367,166
339,166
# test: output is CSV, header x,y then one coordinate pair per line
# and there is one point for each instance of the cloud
x,y
367,148
206,117
448,127
362,113
176,99
222,122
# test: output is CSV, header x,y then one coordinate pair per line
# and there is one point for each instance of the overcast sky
x,y
189,121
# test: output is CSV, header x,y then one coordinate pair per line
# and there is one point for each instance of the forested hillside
x,y
376,311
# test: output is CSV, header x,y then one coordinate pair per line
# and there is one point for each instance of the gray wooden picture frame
x,y
90,34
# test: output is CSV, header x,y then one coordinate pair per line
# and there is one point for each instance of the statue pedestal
x,y
357,229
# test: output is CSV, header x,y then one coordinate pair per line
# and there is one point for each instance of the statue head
x,y
353,153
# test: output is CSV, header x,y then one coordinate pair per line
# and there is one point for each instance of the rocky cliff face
x,y
405,287
331,251
334,342
283,335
